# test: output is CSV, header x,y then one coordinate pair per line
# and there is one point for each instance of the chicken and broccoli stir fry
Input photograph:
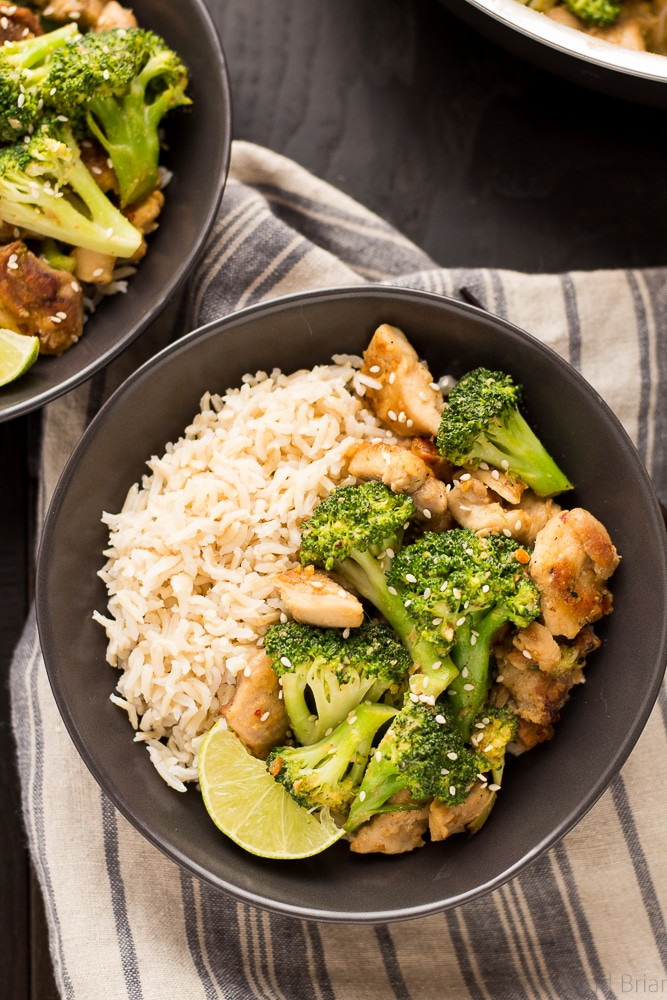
x,y
440,613
83,94
634,24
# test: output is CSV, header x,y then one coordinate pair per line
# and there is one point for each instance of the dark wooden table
x,y
478,157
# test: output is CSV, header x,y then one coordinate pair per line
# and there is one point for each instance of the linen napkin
x,y
586,919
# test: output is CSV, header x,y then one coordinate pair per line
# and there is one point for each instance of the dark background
x,y
480,158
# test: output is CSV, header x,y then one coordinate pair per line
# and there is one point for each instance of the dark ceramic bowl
x,y
199,140
548,786
640,77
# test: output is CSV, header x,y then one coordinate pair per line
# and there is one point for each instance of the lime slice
x,y
252,809
18,352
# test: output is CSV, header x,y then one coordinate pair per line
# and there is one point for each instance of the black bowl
x,y
199,141
545,791
619,72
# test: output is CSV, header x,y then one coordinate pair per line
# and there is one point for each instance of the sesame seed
x,y
452,789
390,553
440,719
264,716
392,415
392,378
407,603
505,464
414,697
98,272
409,422
468,687
485,588
461,621
392,591
495,474
426,512
499,679
527,654
286,662
362,795
55,319
374,369
507,532
410,577
452,755
247,671
437,621
493,788
21,100
444,771
465,672
378,755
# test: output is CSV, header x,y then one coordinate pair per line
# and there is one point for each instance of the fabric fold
x,y
586,919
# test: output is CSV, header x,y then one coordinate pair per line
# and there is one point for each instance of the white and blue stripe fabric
x,y
584,921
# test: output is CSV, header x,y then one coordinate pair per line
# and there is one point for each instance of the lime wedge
x,y
18,352
252,809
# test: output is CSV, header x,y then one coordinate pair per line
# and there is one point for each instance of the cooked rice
x,y
195,548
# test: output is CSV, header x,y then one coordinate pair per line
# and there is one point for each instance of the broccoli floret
x,y
494,728
46,188
326,774
357,530
466,587
482,422
324,674
124,82
24,66
420,752
597,12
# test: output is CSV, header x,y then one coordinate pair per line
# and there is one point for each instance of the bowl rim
x,y
217,328
569,41
31,402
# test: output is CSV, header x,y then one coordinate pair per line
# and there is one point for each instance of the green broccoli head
x,y
326,774
421,753
124,82
46,188
494,728
368,517
596,12
326,673
24,66
482,422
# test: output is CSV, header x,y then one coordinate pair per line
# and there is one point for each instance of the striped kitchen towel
x,y
585,920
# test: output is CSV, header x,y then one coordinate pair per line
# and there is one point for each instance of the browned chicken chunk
x,y
17,23
143,215
37,300
114,15
572,559
402,394
393,832
402,471
96,159
473,505
425,449
84,12
444,820
317,599
257,713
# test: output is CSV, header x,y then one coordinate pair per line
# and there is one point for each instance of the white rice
x,y
193,553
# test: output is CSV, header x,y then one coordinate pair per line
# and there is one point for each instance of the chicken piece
x,y
572,559
529,734
396,467
504,484
537,645
537,696
93,267
96,159
402,396
403,472
392,832
37,300
473,506
256,712
444,820
317,599
17,23
539,510
143,216
441,467
114,15
84,12
143,213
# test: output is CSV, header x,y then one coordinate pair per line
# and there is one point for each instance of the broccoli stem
x,y
30,52
365,573
511,443
127,127
472,653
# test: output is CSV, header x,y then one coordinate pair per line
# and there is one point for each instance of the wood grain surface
x,y
478,157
